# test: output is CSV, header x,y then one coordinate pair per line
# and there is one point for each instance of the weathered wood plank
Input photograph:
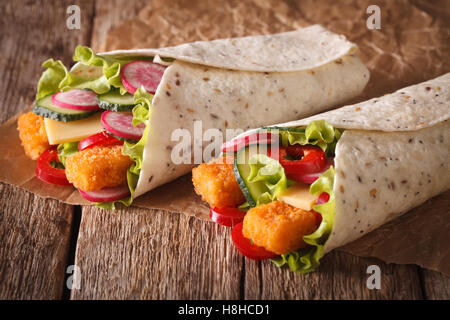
x,y
436,286
34,233
116,253
34,243
31,32
340,276
150,254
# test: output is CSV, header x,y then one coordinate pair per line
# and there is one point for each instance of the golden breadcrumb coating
x,y
216,184
32,134
278,226
98,167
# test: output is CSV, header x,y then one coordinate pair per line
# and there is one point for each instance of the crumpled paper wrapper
x,y
412,46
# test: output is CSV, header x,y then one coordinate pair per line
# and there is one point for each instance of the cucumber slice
x,y
45,108
241,169
121,138
114,101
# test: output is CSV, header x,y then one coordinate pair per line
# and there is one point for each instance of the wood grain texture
x,y
150,254
154,254
340,276
435,285
31,32
34,242
34,234
136,253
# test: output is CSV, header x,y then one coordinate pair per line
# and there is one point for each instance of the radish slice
x,y
106,194
255,138
311,177
141,73
76,99
121,124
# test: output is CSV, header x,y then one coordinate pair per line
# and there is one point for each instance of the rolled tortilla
x,y
392,156
243,83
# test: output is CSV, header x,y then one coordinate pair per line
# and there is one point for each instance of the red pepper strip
x,y
46,172
247,248
306,159
98,139
310,178
227,216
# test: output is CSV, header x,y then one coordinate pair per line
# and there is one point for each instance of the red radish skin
x,y
106,194
255,138
141,73
323,198
76,99
121,125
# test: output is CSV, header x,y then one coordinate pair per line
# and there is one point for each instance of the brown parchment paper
x,y
413,45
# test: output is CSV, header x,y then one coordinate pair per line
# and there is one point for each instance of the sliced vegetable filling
x,y
286,176
76,99
107,97
48,172
115,101
139,74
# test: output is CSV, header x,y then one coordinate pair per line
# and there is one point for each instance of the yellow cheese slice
x,y
298,196
60,132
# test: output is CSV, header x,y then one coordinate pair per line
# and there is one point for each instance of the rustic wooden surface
x,y
136,253
34,234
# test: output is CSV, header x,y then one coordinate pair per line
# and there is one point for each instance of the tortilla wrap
x,y
243,83
392,156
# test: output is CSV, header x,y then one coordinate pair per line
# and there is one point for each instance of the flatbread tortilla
x,y
243,83
297,50
392,156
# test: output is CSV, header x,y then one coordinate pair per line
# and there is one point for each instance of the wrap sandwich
x,y
108,125
295,191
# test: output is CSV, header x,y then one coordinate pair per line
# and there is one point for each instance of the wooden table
x,y
135,253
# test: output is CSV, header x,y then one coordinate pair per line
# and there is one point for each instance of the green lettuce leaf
x,y
245,206
58,78
325,136
307,260
143,101
51,78
318,132
271,173
87,75
112,204
141,113
66,150
111,66
136,153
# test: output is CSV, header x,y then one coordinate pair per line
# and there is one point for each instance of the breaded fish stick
x,y
278,226
33,135
98,167
216,184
